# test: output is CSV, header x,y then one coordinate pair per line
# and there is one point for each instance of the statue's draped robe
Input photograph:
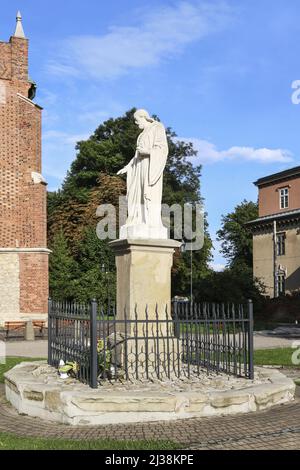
x,y
145,177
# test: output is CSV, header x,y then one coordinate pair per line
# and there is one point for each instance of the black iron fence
x,y
71,337
179,342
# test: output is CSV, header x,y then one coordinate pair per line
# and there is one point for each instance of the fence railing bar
x,y
157,343
136,343
250,340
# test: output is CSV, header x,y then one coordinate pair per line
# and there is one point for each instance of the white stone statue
x,y
145,179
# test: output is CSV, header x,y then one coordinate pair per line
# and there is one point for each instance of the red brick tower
x,y
23,244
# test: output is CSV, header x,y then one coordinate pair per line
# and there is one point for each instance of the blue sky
x,y
220,73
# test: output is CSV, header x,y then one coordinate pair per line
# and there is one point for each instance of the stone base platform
x,y
35,389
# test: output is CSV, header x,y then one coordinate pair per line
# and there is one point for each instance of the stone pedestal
x,y
144,278
148,348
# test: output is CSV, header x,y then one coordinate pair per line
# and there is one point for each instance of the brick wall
x,y
33,282
23,213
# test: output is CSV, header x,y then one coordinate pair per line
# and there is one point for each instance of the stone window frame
x,y
280,245
281,278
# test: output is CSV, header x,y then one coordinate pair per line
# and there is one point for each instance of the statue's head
x,y
142,118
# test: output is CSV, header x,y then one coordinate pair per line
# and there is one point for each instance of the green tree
x,y
236,282
96,274
236,239
62,269
109,148
234,285
195,265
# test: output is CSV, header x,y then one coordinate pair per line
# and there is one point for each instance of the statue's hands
x,y
122,171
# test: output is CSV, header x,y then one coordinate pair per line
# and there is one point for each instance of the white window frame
x,y
284,198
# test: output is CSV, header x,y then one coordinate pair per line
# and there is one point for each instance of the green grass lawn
x,y
11,442
276,357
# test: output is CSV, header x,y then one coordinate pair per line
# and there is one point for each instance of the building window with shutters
x,y
281,283
284,198
280,244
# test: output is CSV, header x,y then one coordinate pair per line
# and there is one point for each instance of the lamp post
x,y
275,271
105,272
183,250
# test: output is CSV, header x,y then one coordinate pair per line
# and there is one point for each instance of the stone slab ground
x,y
34,389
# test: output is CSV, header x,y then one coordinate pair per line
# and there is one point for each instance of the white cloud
x,y
94,116
158,36
50,118
63,138
59,144
208,153
59,152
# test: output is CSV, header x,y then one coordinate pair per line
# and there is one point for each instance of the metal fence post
x,y
93,345
250,339
49,332
176,320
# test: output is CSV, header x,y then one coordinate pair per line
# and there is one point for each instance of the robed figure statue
x,y
145,180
